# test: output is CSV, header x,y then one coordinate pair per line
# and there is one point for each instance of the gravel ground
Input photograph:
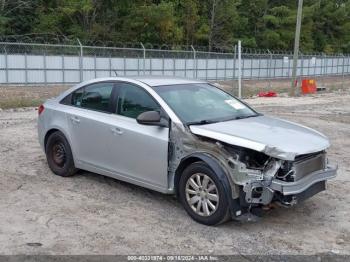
x,y
90,214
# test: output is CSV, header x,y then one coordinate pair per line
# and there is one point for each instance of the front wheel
x,y
59,155
202,194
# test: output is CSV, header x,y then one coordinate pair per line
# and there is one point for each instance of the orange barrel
x,y
308,86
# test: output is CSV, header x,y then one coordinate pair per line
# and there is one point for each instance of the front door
x,y
138,151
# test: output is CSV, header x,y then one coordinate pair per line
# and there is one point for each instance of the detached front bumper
x,y
305,183
258,193
285,183
288,193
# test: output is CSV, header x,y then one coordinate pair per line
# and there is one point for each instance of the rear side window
x,y
133,100
94,97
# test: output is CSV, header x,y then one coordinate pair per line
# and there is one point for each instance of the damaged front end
x,y
255,179
281,181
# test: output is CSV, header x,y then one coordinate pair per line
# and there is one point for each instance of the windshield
x,y
203,103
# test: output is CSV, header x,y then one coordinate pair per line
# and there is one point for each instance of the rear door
x,y
88,123
138,151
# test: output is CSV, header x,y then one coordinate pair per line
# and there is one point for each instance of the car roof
x,y
165,80
151,81
148,80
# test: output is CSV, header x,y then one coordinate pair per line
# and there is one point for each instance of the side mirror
x,y
151,118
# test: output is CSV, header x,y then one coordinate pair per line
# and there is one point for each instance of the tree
x,y
213,23
152,23
252,22
331,29
17,16
189,19
224,20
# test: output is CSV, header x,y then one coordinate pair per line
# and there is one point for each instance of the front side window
x,y
133,100
95,97
203,103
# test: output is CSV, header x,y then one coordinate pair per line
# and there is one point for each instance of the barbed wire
x,y
54,39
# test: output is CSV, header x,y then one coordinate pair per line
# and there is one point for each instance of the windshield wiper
x,y
201,122
243,117
205,121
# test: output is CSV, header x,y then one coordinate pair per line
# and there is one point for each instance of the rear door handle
x,y
75,119
116,131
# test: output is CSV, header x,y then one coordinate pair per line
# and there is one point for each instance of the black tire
x,y
221,213
59,155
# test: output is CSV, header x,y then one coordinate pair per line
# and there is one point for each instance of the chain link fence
x,y
43,64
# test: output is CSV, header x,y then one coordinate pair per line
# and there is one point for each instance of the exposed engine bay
x,y
256,179
261,172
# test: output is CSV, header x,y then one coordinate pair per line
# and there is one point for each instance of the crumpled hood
x,y
272,136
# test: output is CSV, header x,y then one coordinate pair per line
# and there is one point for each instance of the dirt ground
x,y
41,213
251,88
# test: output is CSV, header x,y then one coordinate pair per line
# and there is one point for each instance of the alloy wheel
x,y
202,194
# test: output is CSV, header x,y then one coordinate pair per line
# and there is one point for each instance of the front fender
x,y
214,164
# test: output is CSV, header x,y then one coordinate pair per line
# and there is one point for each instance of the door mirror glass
x,y
151,118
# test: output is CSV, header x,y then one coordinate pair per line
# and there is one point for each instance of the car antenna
x,y
115,72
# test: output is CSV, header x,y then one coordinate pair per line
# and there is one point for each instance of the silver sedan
x,y
220,157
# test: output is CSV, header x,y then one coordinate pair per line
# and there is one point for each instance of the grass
x,y
20,102
27,96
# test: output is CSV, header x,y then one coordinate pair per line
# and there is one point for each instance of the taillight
x,y
41,109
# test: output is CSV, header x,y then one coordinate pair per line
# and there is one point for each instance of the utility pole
x,y
240,69
296,47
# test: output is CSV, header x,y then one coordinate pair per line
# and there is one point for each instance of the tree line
x,y
263,24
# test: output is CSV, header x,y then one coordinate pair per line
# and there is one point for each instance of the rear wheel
x,y
202,194
59,155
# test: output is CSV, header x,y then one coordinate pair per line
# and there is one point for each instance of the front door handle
x,y
75,119
116,131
